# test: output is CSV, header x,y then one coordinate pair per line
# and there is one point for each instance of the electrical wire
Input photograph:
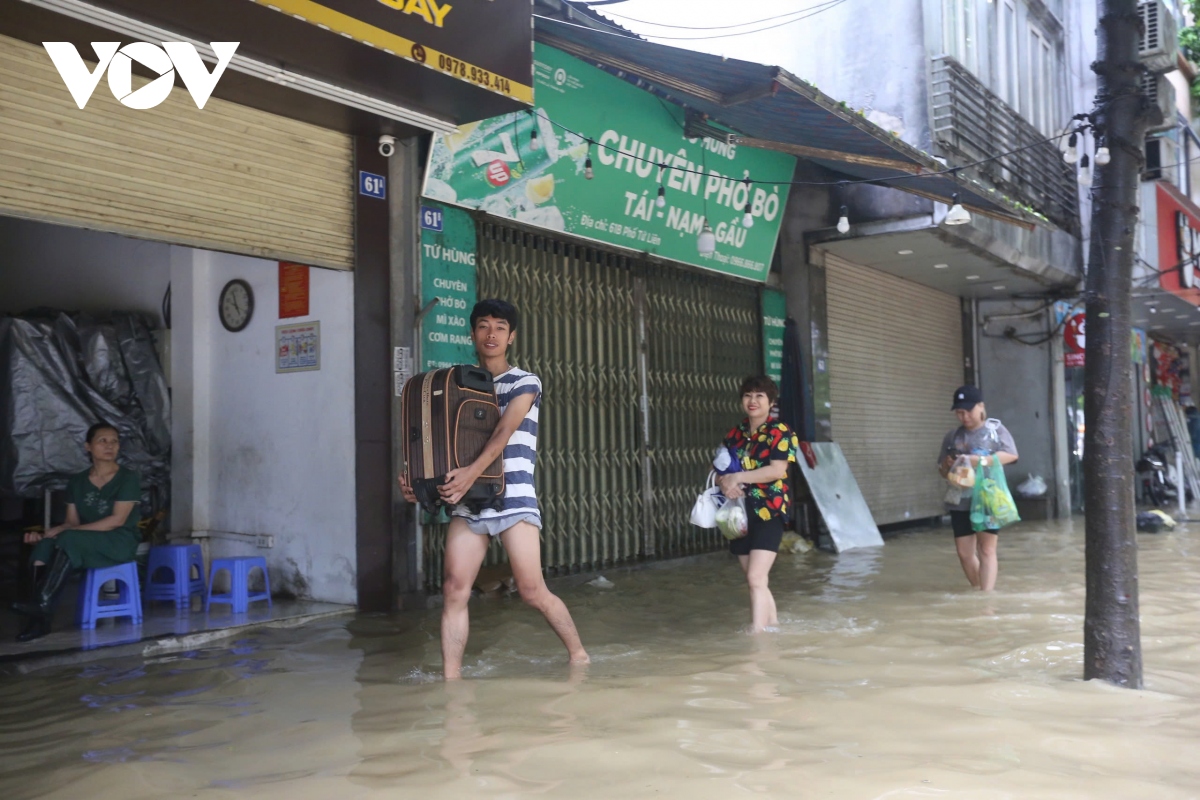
x,y
711,27
625,33
1170,166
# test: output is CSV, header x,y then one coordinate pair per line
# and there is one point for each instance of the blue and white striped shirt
x,y
520,454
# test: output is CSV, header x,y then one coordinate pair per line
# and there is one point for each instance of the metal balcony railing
x,y
971,123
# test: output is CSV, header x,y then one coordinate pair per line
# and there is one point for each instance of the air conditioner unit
x,y
1158,47
1162,159
1161,93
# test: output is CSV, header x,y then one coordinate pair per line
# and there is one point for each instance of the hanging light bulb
x,y
661,200
588,172
706,243
535,144
748,217
1103,156
1071,155
957,215
1085,171
844,221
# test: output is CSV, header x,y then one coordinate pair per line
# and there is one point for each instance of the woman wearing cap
x,y
976,550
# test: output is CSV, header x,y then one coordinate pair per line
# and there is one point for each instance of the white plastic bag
x,y
732,521
704,512
962,473
1033,486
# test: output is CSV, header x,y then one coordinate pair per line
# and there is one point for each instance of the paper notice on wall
x,y
298,347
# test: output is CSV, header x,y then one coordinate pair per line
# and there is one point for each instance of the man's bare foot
x,y
452,675
580,658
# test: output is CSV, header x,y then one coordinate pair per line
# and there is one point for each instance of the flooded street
x,y
888,678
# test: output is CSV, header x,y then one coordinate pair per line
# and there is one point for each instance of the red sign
x,y
1074,340
1178,243
293,290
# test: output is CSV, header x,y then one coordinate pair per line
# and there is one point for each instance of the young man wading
x,y
518,523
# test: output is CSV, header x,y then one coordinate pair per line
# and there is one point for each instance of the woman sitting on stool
x,y
103,511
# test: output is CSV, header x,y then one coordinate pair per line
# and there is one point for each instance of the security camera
x,y
387,146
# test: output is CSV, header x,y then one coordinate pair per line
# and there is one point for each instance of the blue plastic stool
x,y
128,602
178,560
239,585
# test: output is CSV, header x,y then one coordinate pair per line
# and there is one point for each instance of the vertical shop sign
x,y
448,246
1074,340
1137,347
774,317
293,290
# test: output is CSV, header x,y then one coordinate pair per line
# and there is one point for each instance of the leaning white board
x,y
839,499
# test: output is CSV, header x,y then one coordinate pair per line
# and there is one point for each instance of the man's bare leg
x,y
523,543
465,552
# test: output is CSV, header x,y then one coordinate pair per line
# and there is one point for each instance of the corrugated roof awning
x,y
774,110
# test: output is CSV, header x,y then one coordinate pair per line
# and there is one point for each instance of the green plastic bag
x,y
992,504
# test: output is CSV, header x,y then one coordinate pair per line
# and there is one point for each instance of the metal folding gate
x,y
625,349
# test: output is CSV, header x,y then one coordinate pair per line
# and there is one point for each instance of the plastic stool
x,y
179,560
127,604
239,585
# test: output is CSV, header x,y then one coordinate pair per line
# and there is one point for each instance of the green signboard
x,y
447,274
774,315
637,145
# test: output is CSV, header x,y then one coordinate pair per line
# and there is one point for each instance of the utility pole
x,y
1112,648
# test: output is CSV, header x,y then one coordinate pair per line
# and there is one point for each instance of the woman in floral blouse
x,y
764,449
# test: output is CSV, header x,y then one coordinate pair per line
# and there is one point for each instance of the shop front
x,y
223,173
640,336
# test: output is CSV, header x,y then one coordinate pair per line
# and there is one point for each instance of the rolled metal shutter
x,y
228,177
579,332
895,358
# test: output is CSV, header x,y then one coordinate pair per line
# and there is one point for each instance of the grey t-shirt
x,y
964,442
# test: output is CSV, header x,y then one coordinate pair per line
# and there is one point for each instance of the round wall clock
x,y
236,305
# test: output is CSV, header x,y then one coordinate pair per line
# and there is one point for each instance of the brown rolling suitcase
x,y
448,416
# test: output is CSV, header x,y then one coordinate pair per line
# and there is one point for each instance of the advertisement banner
x,y
774,317
447,274
481,42
531,167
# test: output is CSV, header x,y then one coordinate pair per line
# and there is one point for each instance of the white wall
x,y
269,454
253,452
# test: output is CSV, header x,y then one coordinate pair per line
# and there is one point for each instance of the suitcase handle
x,y
475,378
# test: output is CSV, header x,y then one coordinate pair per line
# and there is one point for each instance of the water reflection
x,y
889,678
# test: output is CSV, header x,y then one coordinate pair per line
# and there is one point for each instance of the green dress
x,y
92,549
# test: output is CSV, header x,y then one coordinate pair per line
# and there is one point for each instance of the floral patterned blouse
x,y
773,441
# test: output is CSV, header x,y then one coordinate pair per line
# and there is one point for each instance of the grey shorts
x,y
498,525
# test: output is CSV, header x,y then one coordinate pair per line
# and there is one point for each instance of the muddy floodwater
x,y
889,678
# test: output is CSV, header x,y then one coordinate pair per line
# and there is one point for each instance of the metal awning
x,y
772,109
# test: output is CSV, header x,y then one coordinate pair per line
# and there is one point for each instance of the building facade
x,y
196,166
913,307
